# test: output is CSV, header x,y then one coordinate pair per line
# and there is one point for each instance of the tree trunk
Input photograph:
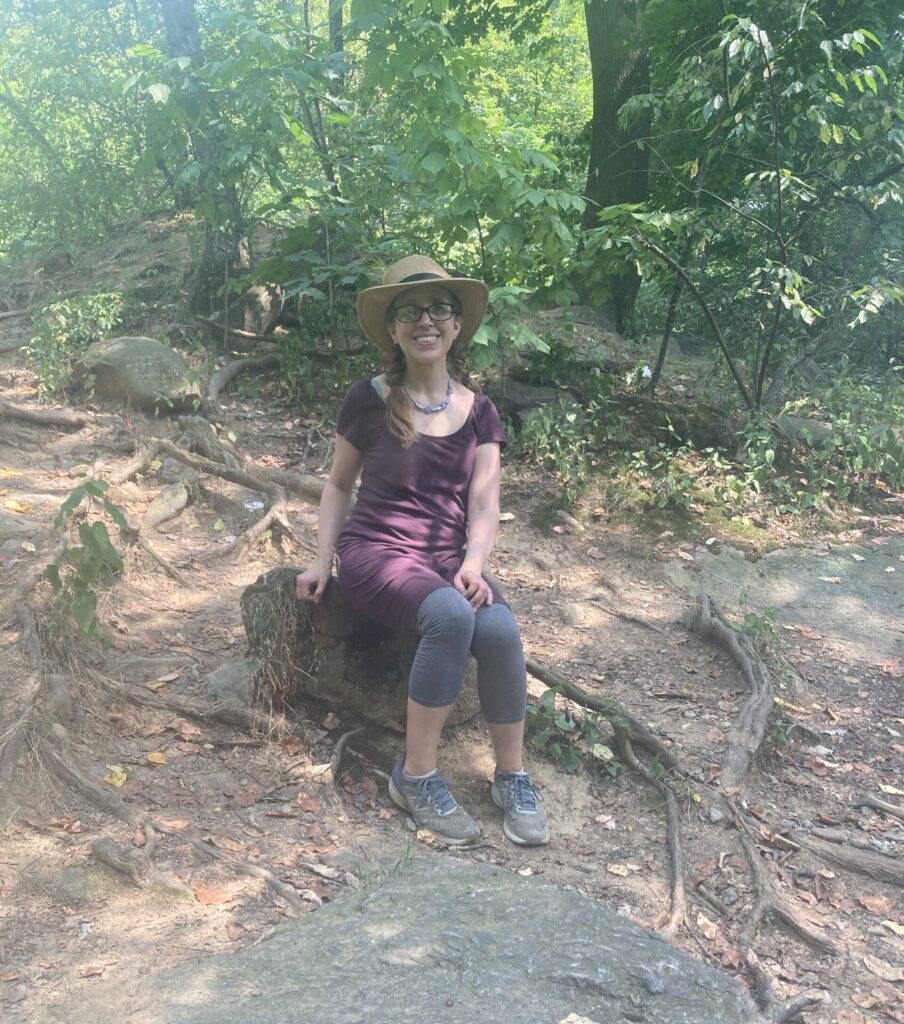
x,y
226,253
618,171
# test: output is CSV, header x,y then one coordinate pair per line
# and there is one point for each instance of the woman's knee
x,y
495,629
446,613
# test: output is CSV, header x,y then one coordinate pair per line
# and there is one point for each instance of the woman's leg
x,y
445,622
502,682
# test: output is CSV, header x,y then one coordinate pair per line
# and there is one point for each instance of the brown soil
x,y
66,919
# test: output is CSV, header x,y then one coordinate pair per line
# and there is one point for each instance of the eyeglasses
x,y
437,311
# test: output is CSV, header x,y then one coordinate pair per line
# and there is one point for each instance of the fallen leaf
x,y
16,506
157,757
558,529
9,975
91,972
893,790
606,820
883,970
595,553
685,555
8,474
116,776
527,872
213,895
249,794
709,928
893,926
617,869
189,748
225,843
829,579
857,558
170,677
424,835
234,931
877,904
308,803
178,823
506,517
219,525
850,1017
331,721
866,1000
185,729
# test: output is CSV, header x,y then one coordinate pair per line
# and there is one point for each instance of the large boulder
x,y
438,940
141,371
332,653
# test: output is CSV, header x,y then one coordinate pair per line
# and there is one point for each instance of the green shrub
x,y
63,331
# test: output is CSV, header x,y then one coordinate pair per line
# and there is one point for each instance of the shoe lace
x,y
521,793
434,790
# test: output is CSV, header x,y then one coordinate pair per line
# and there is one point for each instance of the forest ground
x,y
596,602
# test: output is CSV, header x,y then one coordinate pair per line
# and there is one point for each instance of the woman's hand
x,y
310,585
471,584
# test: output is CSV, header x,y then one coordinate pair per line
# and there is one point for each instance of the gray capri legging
x,y
449,629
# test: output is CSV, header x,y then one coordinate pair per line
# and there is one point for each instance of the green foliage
x,y
64,330
568,739
75,575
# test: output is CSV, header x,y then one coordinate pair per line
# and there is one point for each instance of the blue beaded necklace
x,y
429,409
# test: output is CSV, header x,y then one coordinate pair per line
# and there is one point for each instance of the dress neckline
x,y
378,391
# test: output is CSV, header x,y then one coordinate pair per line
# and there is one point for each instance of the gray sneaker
x,y
525,821
432,806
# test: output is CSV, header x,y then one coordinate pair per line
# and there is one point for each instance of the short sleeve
x,y
489,426
352,421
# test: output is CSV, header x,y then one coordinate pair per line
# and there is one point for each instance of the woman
x,y
413,551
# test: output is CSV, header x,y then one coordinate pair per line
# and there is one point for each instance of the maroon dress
x,y
406,535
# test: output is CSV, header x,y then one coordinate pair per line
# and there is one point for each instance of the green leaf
x,y
825,133
434,162
159,92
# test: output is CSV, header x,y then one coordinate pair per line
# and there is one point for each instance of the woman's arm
x,y
334,505
483,522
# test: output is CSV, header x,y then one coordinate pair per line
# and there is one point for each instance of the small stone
x,y
715,815
573,615
729,896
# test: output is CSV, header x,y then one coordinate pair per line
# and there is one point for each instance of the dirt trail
x,y
599,604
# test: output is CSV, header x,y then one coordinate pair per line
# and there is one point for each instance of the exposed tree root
x,y
864,862
625,616
749,728
275,517
62,419
614,712
769,899
779,1013
877,804
118,808
220,378
678,907
628,733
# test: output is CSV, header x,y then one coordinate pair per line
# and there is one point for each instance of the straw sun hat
x,y
410,272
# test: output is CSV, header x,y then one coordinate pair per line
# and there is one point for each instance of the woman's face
x,y
426,340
